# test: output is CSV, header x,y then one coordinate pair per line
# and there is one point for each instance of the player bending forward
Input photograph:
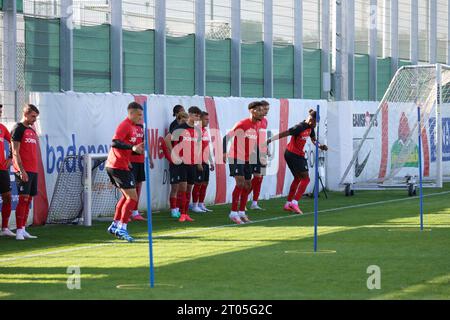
x,y
295,158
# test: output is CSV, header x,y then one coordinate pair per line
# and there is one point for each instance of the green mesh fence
x,y
180,65
362,77
312,74
383,76
42,54
218,68
92,59
139,61
283,71
252,69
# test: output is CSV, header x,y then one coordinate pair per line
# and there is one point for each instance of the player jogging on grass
x,y
124,143
295,158
260,168
25,164
241,158
202,176
5,182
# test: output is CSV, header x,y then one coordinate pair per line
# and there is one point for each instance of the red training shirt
x,y
126,132
28,147
245,139
136,157
300,134
188,143
4,135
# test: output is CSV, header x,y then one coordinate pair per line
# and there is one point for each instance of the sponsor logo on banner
x,y
361,120
445,139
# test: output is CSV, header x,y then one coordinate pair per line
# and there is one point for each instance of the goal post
x,y
83,191
387,155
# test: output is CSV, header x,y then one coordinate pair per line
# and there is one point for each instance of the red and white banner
x,y
75,123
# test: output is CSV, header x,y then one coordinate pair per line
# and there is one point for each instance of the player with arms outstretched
x,y
295,158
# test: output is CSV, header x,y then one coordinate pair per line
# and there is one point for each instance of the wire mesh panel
x,y
180,17
68,200
138,15
388,152
218,19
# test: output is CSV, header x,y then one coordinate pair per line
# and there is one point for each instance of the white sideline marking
x,y
219,227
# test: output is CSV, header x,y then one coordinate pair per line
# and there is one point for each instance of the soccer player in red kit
x,y
180,117
242,158
138,169
187,154
202,176
124,143
295,158
260,168
25,167
5,182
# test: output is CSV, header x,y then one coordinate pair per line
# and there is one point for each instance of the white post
x,y
87,205
439,172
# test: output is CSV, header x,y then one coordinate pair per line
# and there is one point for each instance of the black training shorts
x,y
122,179
202,176
28,188
297,164
241,170
138,171
5,182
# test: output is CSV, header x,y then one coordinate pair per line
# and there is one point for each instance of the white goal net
x,y
388,153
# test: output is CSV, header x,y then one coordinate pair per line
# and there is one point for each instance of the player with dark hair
x,y
295,158
5,182
241,160
187,154
202,176
138,169
25,164
124,143
174,169
260,168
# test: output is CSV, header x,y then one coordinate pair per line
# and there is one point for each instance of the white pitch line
x,y
219,227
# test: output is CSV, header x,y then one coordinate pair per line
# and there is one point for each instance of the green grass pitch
x,y
271,258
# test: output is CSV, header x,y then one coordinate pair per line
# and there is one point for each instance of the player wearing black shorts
x,y
174,169
295,158
202,176
244,137
187,152
124,143
5,182
25,166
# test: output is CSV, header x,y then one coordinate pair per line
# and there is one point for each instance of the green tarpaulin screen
x,y
180,65
312,73
383,76
139,61
92,59
361,77
218,68
42,54
252,69
283,71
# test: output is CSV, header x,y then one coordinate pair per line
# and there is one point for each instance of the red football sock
x,y
6,212
119,205
181,197
256,187
127,209
21,212
182,202
244,198
186,204
202,195
301,190
196,193
173,203
293,189
235,198
138,191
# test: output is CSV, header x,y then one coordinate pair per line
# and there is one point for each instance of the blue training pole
x,y
420,169
149,199
316,182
